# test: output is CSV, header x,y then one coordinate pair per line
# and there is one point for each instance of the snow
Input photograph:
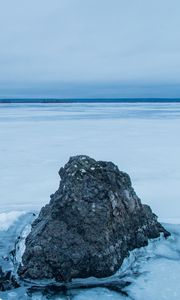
x,y
171,220
142,139
160,282
36,140
12,296
159,269
98,293
7,219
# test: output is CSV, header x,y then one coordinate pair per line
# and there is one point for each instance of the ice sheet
x,y
142,139
159,270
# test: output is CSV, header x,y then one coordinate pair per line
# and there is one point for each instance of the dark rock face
x,y
7,281
91,223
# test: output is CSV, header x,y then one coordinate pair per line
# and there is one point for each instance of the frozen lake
x,y
142,139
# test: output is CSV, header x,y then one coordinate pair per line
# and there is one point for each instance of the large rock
x,y
91,223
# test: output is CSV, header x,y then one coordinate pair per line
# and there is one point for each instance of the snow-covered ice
x,y
8,218
142,139
159,269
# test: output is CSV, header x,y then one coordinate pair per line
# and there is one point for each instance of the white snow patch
x,y
8,218
160,281
20,247
140,138
170,220
98,293
158,268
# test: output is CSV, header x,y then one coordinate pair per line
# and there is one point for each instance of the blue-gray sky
x,y
93,48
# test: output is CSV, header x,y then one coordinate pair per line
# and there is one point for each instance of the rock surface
x,y
91,223
7,281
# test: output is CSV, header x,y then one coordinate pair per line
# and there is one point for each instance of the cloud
x,y
77,41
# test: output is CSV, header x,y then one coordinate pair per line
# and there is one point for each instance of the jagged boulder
x,y
92,222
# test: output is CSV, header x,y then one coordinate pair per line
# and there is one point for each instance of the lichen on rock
x,y
92,222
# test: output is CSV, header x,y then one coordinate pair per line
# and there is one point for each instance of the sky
x,y
91,48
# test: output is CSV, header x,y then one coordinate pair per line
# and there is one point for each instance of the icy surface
x,y
156,269
142,139
7,219
97,294
153,271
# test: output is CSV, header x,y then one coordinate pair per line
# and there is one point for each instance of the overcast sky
x,y
90,48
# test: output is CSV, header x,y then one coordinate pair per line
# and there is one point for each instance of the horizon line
x,y
88,100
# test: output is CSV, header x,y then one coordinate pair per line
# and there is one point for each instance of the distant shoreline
x,y
98,100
